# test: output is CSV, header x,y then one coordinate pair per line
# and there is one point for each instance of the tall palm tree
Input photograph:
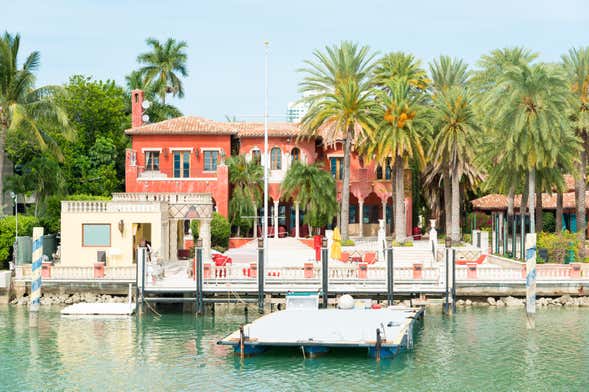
x,y
314,189
576,64
528,105
22,106
157,111
164,65
447,73
455,126
502,175
402,126
337,88
246,179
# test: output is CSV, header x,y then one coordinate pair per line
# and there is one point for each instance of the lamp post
x,y
266,161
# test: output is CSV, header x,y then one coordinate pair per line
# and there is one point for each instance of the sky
x,y
102,38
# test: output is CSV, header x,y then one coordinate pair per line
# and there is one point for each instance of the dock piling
x,y
447,299
378,344
261,251
241,342
453,280
199,278
324,272
390,276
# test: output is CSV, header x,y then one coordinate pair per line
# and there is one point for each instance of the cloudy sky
x,y
102,38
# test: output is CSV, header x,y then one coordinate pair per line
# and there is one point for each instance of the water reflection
x,y
477,349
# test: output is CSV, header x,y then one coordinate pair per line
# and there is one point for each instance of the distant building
x,y
296,111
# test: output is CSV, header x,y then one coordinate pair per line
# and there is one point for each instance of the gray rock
x,y
499,303
511,301
460,302
491,301
468,302
564,299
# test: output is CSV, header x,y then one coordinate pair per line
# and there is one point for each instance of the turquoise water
x,y
483,349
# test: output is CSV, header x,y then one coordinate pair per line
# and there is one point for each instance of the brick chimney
x,y
136,108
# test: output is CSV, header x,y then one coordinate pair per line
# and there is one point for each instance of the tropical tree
x,y
157,111
528,106
498,164
402,126
314,189
337,88
22,106
449,74
246,179
164,65
576,64
455,126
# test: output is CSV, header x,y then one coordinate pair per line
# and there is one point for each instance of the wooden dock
x,y
383,332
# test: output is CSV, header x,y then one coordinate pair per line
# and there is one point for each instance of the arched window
x,y
379,172
295,155
275,159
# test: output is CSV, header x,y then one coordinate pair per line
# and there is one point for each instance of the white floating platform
x,y
317,330
99,309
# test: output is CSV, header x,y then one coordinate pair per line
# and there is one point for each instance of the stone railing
x,y
78,273
172,198
84,206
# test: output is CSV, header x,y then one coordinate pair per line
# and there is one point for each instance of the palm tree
x,y
528,106
502,175
337,84
401,129
576,64
447,73
455,126
246,179
22,106
314,189
164,65
157,111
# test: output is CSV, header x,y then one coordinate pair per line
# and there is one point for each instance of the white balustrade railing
x,y
84,206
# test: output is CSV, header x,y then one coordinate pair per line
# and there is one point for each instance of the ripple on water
x,y
477,349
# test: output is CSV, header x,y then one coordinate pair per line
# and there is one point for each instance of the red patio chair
x,y
345,257
370,257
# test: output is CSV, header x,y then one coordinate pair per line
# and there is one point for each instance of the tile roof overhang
x,y
497,202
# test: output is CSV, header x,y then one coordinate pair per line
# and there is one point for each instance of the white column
x,y
173,239
205,235
361,216
276,218
297,220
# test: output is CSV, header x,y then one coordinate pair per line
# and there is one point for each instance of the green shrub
x,y
548,222
348,242
7,233
482,221
467,238
558,244
195,228
220,231
407,243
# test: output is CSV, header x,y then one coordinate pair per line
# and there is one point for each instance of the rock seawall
x,y
68,299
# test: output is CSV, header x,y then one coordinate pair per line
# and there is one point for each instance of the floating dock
x,y
383,332
99,309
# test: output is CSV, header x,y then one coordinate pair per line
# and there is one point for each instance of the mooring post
x,y
324,271
447,301
142,252
523,237
199,278
531,279
241,342
261,251
378,344
453,280
513,237
390,277
36,280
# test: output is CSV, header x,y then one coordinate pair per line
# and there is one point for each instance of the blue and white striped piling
x,y
36,269
531,279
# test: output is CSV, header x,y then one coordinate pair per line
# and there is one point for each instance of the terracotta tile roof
x,y
186,125
496,202
250,129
